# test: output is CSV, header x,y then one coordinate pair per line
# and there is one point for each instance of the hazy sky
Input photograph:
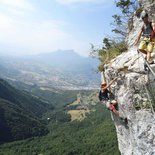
x,y
37,26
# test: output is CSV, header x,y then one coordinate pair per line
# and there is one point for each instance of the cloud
x,y
22,34
70,2
16,4
27,37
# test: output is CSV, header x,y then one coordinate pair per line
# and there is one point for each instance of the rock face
x,y
135,92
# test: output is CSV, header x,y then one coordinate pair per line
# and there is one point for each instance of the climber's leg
x,y
115,103
142,47
150,47
113,109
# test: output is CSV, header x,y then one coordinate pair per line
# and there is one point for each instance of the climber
x,y
148,33
104,96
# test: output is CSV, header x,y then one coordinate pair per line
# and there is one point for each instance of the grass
x,y
106,55
78,114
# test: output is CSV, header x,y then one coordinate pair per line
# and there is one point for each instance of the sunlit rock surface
x,y
135,92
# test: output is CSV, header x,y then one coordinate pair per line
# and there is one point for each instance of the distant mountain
x,y
68,60
20,114
60,69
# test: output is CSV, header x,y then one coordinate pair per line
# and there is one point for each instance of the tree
x,y
127,6
120,24
107,43
124,21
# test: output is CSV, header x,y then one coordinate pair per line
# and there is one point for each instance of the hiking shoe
x,y
151,62
126,120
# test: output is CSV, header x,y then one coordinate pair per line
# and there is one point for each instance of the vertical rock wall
x,y
135,92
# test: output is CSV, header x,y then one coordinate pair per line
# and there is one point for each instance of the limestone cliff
x,y
135,92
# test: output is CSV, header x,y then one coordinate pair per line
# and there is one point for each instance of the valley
x,y
62,70
50,108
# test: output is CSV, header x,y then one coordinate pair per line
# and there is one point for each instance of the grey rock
x,y
135,92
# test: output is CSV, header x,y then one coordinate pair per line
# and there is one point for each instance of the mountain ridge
x,y
64,58
47,70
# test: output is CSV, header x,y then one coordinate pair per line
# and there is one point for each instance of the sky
x,y
30,27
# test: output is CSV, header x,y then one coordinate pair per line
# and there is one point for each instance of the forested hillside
x,y
20,113
57,97
95,135
23,116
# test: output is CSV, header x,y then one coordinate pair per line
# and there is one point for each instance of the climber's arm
x,y
111,82
153,26
139,36
153,32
